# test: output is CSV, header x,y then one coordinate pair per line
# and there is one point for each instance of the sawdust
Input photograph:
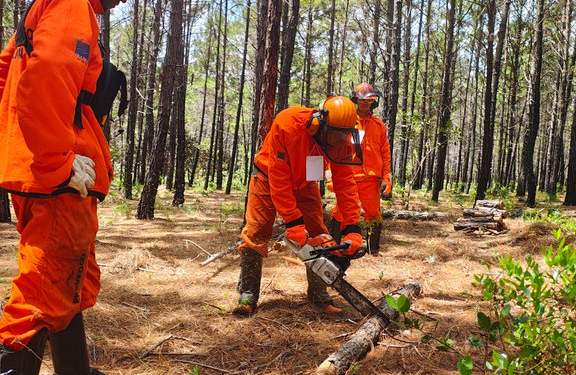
x,y
161,312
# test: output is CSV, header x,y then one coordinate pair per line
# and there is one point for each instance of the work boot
x,y
69,350
317,293
334,230
249,282
373,239
26,361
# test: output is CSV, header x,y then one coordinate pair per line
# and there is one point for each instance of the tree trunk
x,y
211,152
222,106
232,164
421,172
180,113
204,95
394,75
154,47
375,41
405,124
174,57
133,104
570,198
270,71
488,136
534,108
289,37
445,105
330,78
343,47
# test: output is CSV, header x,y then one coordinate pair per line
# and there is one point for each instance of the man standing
x,y
55,162
286,171
373,177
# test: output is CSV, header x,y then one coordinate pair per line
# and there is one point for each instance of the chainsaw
x,y
323,256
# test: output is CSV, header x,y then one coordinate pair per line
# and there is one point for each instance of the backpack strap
x,y
23,36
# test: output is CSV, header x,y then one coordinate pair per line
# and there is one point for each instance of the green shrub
x,y
529,328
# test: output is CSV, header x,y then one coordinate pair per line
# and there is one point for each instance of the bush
x,y
530,326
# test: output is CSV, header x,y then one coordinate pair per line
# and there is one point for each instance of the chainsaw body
x,y
318,254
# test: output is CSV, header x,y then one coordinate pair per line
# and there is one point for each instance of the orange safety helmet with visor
x,y
366,91
333,127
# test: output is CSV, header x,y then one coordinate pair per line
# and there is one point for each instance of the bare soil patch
x,y
161,312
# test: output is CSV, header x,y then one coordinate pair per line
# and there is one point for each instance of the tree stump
x,y
364,339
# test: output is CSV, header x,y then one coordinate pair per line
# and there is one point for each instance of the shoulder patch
x,y
82,51
281,156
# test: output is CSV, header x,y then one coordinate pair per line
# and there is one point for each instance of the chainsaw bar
x,y
357,299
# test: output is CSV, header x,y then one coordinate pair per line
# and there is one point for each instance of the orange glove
x,y
355,240
386,186
297,234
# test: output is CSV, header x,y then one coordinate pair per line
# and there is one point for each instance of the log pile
x,y
487,217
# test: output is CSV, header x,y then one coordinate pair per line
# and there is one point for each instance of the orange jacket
x,y
375,149
38,138
283,159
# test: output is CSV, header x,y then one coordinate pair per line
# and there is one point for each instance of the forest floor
x,y
161,312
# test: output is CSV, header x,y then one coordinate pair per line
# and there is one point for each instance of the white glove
x,y
83,174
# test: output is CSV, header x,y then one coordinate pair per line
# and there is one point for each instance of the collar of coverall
x,y
97,6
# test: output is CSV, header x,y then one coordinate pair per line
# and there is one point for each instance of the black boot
x,y
317,293
69,350
373,239
334,230
249,282
26,361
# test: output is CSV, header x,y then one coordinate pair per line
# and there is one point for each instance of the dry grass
x,y
161,312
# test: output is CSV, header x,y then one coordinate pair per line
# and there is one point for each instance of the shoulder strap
x,y
23,36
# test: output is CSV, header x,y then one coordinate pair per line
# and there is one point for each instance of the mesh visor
x,y
340,145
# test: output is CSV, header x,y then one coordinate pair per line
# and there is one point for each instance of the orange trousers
x,y
261,214
58,274
369,195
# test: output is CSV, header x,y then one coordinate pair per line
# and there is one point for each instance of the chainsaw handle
x,y
328,250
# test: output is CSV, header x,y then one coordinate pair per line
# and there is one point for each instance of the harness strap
x,y
23,36
84,98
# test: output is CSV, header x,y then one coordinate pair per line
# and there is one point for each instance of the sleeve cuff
x,y
293,223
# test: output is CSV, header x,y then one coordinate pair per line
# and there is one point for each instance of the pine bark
x,y
174,57
445,105
531,133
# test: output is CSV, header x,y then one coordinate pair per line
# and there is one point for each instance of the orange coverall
x,y
280,184
376,151
58,275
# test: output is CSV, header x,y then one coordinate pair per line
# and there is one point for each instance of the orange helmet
x,y
366,91
338,111
333,127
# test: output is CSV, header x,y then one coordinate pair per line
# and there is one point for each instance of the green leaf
x,y
465,365
475,341
403,304
392,302
483,321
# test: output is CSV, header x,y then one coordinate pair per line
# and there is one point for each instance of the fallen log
x,y
418,215
469,224
363,340
484,211
489,204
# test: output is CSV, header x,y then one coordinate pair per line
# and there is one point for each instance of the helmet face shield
x,y
340,145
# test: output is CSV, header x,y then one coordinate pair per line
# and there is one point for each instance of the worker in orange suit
x,y
55,162
284,181
373,177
